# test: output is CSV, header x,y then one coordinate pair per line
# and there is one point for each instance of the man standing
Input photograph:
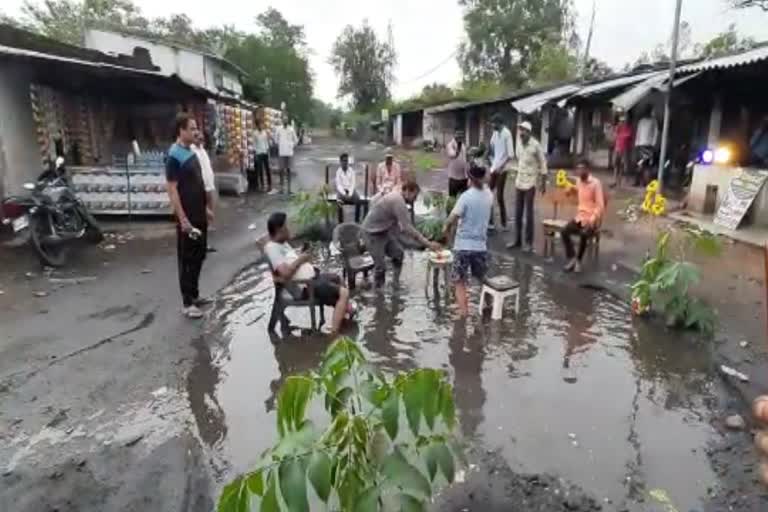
x,y
388,177
186,191
531,167
389,216
622,149
286,142
261,149
209,180
472,213
589,216
502,149
645,143
457,165
294,270
346,188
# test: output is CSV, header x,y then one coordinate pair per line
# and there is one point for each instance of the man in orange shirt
x,y
588,217
388,177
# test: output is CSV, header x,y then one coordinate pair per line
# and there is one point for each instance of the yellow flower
x,y
657,209
647,205
652,187
660,200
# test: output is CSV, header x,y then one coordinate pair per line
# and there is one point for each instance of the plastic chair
x,y
349,238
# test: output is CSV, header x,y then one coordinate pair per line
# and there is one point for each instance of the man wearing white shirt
x,y
502,149
346,185
209,181
286,142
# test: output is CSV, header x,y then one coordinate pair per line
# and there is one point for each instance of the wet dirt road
x,y
110,401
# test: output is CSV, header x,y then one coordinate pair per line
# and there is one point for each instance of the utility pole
x,y
668,99
588,47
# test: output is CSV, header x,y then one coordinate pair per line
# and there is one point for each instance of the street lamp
x,y
668,99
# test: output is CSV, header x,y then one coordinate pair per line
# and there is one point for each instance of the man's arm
x,y
453,218
286,271
600,200
178,210
404,219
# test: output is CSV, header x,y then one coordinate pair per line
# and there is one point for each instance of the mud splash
x,y
569,387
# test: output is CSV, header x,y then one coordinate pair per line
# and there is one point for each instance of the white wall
x,y
397,130
189,65
20,159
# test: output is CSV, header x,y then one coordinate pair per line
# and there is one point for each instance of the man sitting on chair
x,y
346,184
289,266
588,218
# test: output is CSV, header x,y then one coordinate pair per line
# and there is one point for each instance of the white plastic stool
x,y
434,266
499,288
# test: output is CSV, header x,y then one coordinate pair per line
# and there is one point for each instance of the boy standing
x,y
472,213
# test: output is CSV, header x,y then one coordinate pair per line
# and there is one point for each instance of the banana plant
x,y
361,458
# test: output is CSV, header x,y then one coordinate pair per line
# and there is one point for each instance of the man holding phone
x,y
187,194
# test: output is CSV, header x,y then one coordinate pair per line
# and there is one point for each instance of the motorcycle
x,y
50,217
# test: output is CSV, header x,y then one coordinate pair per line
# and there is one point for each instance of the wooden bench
x,y
553,228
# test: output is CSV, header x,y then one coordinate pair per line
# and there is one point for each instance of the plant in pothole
x,y
313,210
361,459
667,278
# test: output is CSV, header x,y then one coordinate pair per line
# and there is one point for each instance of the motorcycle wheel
x,y
93,232
51,255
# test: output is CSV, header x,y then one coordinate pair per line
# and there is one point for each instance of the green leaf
x,y
413,398
256,483
445,461
401,474
390,414
234,497
379,446
431,461
292,403
409,503
430,383
293,484
270,503
349,490
339,400
447,405
319,474
368,500
298,441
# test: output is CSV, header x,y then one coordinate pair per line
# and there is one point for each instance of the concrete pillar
x,y
715,121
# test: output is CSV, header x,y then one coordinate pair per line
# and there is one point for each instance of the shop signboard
x,y
740,195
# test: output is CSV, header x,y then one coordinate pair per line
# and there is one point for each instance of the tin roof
x,y
729,61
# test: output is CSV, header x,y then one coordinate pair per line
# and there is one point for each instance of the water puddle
x,y
569,386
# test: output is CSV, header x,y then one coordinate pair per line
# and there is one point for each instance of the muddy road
x,y
112,401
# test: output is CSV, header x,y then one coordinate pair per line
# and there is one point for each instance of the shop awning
x,y
634,95
530,104
607,86
729,61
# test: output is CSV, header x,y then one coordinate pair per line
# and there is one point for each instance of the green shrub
x,y
361,460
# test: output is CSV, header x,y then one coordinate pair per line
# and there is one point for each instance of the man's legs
x,y
282,161
500,184
394,250
519,208
569,230
288,164
530,196
191,254
264,159
586,234
377,247
330,292
196,264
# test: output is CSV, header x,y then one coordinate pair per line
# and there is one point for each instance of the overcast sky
x,y
426,32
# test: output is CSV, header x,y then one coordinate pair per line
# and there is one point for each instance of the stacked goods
x,y
235,135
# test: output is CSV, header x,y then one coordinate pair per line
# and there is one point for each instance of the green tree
x,y
66,20
477,90
277,32
365,66
506,38
555,63
724,43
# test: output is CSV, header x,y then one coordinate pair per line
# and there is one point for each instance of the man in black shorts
x,y
186,191
290,267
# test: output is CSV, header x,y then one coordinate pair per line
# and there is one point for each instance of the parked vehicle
x,y
50,217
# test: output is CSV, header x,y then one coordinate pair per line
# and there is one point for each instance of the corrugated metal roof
x,y
729,61
613,83
530,104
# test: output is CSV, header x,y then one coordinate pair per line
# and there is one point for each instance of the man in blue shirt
x,y
472,214
186,191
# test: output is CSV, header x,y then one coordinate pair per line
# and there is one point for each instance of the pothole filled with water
x,y
570,386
